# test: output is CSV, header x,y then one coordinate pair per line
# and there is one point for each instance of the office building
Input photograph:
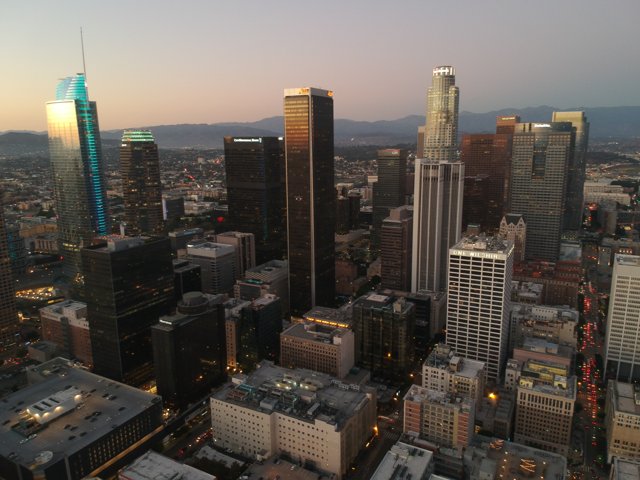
x,y
622,344
506,124
354,209
439,417
311,199
189,349
541,155
187,277
310,417
65,324
254,168
487,161
129,285
172,207
546,396
141,186
577,168
16,249
271,277
445,371
252,331
479,301
514,228
383,327
390,189
441,129
180,238
396,238
71,424
405,461
9,325
317,347
217,263
622,421
245,247
494,458
437,221
554,324
75,151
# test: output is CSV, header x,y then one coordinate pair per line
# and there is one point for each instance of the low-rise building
x,y
66,325
317,347
556,324
311,417
624,470
153,466
622,421
405,461
440,417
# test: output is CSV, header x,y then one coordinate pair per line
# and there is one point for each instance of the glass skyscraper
x,y
9,326
78,176
141,186
441,130
311,198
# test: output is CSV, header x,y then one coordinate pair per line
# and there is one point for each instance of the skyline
x,y
209,63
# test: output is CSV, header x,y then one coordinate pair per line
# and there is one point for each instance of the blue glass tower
x,y
78,174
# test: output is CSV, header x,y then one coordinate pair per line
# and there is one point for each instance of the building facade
x,y
66,325
514,228
245,247
622,421
541,156
311,198
441,129
129,285
9,326
622,344
255,173
217,263
390,190
479,300
75,150
141,185
396,238
437,221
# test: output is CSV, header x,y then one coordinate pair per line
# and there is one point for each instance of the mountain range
x,y
606,122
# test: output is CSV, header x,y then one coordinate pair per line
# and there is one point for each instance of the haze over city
x,y
162,62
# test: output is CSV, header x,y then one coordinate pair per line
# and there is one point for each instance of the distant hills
x,y
619,122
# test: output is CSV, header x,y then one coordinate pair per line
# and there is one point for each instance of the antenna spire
x,y
84,65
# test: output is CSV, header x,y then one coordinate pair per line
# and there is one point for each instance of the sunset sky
x,y
152,62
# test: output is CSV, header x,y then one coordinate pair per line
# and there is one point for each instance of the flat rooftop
x,y
484,243
104,404
314,332
404,461
283,470
625,470
441,358
513,459
299,393
627,397
328,316
153,466
416,393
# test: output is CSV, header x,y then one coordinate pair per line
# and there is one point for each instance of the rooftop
x,y
416,393
513,460
209,249
443,357
626,397
315,332
625,470
484,243
153,466
98,405
283,470
299,393
336,317
404,462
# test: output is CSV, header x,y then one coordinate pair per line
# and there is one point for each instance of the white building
x,y
622,347
217,265
309,416
479,300
416,463
622,421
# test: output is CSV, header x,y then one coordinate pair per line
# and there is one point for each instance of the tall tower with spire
x,y
78,174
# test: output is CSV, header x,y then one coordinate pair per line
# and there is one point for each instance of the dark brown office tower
x,y
129,285
487,159
342,215
9,326
354,209
255,192
390,189
396,240
311,197
141,186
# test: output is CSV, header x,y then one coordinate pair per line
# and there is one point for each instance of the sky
x,y
153,62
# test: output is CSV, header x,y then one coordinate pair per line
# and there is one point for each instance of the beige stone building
x,y
311,417
622,421
66,325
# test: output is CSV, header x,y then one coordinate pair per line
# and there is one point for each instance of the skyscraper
x,y
311,198
479,300
141,186
390,189
395,249
129,285
78,174
437,221
577,165
441,130
487,160
9,326
622,345
254,168
540,163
